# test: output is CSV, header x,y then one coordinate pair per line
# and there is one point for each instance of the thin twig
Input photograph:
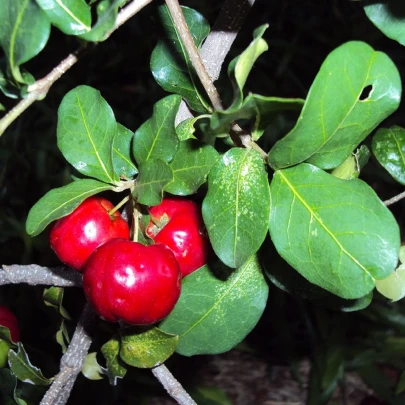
x,y
39,89
192,51
33,274
394,199
172,386
72,361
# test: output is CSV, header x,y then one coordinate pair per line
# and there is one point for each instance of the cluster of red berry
x,y
125,280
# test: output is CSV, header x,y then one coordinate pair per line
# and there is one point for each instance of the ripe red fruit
x,y
128,281
75,236
178,224
8,319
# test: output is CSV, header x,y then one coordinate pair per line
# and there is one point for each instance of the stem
x,y
39,89
395,199
119,205
135,217
172,386
192,51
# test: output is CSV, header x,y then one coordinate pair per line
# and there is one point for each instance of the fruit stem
x,y
135,217
119,205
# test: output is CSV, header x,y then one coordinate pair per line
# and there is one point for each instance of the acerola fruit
x,y
10,321
128,281
178,224
75,236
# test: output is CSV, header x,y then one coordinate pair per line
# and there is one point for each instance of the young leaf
x,y
115,366
91,369
350,168
62,336
22,368
336,233
60,202
393,287
170,64
24,32
185,130
156,138
213,315
72,17
241,66
146,348
389,148
85,132
5,335
154,176
191,165
8,384
236,207
53,297
355,89
122,156
388,17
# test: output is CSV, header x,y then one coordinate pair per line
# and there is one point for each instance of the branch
x,y
172,386
33,274
40,88
72,361
394,199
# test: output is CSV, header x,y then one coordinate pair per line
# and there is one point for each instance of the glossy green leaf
x,y
60,202
5,335
154,176
402,254
239,69
8,384
107,11
22,368
236,207
337,233
91,369
214,314
388,17
389,148
116,368
8,86
256,108
191,165
24,32
170,64
85,133
72,17
62,336
186,129
393,287
355,89
350,168
124,167
156,138
53,297
146,347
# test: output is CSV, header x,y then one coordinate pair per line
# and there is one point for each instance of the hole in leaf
x,y
365,94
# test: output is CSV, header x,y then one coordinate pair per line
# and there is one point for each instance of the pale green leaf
x,y
91,369
393,287
53,297
116,368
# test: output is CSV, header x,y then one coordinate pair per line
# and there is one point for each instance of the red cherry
x,y
128,281
9,320
179,226
75,236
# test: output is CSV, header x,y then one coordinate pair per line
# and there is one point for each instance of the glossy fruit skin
x,y
75,236
179,226
128,281
9,320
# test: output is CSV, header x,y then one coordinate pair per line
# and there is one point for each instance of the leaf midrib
x,y
14,32
68,12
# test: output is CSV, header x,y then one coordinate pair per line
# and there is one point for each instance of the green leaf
x,y
106,16
259,109
60,202
191,165
337,116
8,384
236,207
156,138
122,156
170,64
388,17
214,314
146,347
6,336
393,287
91,369
53,297
239,69
388,146
62,336
85,132
8,86
24,32
185,130
350,168
22,368
115,366
209,396
154,176
72,17
336,233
